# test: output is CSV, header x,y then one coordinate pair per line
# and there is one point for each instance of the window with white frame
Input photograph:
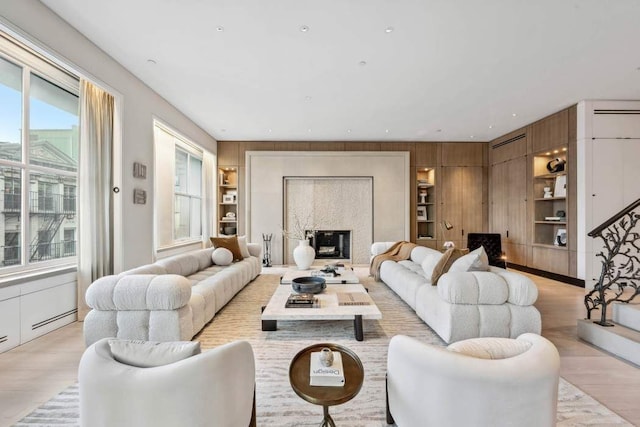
x,y
179,188
39,118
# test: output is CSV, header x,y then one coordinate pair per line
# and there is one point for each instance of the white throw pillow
x,y
147,354
244,250
222,256
473,261
490,348
429,262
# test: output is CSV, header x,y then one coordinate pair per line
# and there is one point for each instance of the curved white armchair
x,y
433,386
214,388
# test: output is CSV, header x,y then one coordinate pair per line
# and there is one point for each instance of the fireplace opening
x,y
331,244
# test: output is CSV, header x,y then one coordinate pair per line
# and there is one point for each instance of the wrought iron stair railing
x,y
620,274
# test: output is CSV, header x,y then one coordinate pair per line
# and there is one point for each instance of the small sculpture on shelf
x,y
547,193
423,197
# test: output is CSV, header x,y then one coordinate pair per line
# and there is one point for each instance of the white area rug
x,y
278,405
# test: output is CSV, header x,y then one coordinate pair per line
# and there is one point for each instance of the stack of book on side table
x,y
301,301
327,376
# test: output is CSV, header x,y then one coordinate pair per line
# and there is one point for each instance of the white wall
x,y
265,171
608,149
33,20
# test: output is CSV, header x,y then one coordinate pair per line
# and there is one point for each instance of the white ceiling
x,y
451,70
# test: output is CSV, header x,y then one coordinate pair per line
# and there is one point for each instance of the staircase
x,y
623,339
618,285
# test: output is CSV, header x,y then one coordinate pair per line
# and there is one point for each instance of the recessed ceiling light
x,y
220,29
514,114
348,130
307,98
308,130
389,30
471,136
362,63
151,61
547,154
269,130
386,130
490,126
304,28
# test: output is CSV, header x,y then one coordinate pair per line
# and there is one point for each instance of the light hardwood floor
x,y
34,372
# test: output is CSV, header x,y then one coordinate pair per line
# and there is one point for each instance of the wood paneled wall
x,y
423,154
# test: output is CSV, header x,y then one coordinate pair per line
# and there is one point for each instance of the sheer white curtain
x,y
95,181
209,197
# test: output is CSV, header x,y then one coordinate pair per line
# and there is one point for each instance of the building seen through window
x,y
38,168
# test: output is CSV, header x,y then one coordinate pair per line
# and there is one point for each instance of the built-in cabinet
x,y
461,203
532,186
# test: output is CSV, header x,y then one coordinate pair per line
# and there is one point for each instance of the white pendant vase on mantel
x,y
303,255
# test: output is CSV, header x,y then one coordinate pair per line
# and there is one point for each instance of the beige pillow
x,y
473,261
244,249
445,262
490,348
148,354
230,243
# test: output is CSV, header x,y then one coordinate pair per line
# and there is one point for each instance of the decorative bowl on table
x,y
309,285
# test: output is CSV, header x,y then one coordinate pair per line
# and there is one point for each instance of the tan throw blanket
x,y
399,251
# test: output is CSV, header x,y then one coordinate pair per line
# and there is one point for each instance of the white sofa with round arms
x,y
470,304
169,300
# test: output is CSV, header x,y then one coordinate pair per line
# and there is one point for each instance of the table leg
x,y
327,421
269,325
357,326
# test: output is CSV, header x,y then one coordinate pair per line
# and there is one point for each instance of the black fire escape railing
x,y
620,262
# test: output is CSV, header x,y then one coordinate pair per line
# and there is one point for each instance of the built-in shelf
x,y
546,232
227,201
552,222
542,245
549,175
425,196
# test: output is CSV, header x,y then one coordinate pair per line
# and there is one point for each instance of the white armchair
x,y
436,386
213,388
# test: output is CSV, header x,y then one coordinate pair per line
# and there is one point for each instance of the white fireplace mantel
x,y
266,171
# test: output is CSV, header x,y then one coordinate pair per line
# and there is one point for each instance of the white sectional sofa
x,y
469,304
169,300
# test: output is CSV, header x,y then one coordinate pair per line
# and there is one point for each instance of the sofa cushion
x,y
230,243
221,256
244,250
490,347
419,253
473,287
445,262
476,260
182,264
148,354
429,263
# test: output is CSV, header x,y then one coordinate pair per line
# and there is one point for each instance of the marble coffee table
x,y
326,309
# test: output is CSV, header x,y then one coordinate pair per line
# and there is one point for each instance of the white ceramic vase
x,y
303,255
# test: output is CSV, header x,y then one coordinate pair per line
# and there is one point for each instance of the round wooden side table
x,y
326,396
